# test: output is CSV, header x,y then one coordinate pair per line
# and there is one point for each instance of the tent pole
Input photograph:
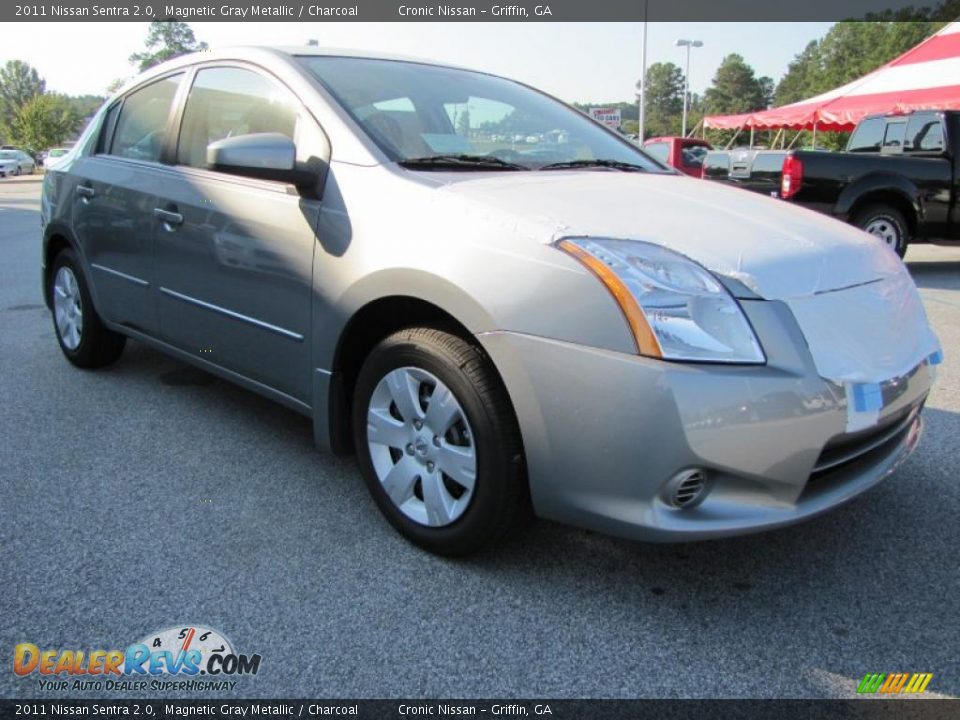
x,y
751,136
814,134
735,136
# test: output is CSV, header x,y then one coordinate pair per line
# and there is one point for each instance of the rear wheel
x,y
83,338
438,443
886,224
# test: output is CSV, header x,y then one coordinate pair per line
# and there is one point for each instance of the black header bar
x,y
474,10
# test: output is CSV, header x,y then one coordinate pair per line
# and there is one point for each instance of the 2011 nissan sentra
x,y
497,303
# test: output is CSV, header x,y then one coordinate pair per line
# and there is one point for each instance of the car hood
x,y
853,298
777,250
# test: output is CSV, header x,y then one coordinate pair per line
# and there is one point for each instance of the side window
x,y
924,134
693,155
658,150
894,135
142,126
226,102
868,136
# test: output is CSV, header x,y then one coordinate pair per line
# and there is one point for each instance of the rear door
x,y
234,255
114,193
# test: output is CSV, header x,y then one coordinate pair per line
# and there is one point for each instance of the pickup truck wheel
x,y
886,224
438,442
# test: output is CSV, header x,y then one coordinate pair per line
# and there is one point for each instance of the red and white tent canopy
x,y
926,77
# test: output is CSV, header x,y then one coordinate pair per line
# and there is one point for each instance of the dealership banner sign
x,y
606,115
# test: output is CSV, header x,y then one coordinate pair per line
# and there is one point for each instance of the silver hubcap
x,y
67,309
421,446
884,229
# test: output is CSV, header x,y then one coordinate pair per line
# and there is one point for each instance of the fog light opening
x,y
687,489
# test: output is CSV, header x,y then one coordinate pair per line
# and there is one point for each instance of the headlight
x,y
676,309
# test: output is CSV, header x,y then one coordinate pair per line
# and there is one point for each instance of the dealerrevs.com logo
x,y
183,658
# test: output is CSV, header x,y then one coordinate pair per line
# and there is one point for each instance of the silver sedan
x,y
16,162
500,305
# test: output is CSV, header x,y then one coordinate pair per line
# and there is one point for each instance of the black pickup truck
x,y
899,178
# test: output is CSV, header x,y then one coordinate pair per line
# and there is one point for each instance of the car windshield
x,y
442,118
8,155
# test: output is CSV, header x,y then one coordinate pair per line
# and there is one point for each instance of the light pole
x,y
686,78
641,100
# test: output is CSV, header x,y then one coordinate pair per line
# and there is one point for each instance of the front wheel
x,y
83,338
438,442
17,171
886,224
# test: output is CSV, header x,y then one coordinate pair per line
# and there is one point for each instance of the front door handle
x,y
85,192
168,217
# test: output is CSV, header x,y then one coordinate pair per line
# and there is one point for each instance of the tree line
x,y
33,118
848,50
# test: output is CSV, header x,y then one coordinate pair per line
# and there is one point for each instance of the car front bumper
x,y
604,434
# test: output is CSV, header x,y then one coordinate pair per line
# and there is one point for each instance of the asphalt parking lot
x,y
151,495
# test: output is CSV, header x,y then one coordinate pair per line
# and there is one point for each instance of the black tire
x,y
893,222
500,502
98,345
16,173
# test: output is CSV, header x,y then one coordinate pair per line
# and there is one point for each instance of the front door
x,y
233,255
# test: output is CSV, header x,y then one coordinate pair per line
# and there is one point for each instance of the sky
x,y
582,62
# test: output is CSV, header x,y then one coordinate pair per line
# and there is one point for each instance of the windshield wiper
x,y
486,162
615,164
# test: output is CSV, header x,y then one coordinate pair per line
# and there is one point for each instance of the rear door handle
x,y
85,192
168,217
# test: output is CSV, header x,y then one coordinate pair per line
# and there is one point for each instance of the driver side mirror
x,y
265,156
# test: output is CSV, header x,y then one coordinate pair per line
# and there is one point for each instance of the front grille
x,y
849,448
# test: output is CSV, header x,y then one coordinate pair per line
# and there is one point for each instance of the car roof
x,y
268,55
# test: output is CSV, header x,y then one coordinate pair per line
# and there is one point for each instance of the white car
x,y
53,156
15,162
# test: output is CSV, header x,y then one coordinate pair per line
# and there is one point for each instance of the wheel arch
x,y
56,239
893,191
370,323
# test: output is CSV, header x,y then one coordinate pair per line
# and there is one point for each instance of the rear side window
x,y
693,155
924,134
894,135
868,136
658,150
107,128
226,102
141,131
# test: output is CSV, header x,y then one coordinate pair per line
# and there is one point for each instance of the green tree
x,y
735,88
848,51
19,83
663,92
166,39
801,76
44,121
463,123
